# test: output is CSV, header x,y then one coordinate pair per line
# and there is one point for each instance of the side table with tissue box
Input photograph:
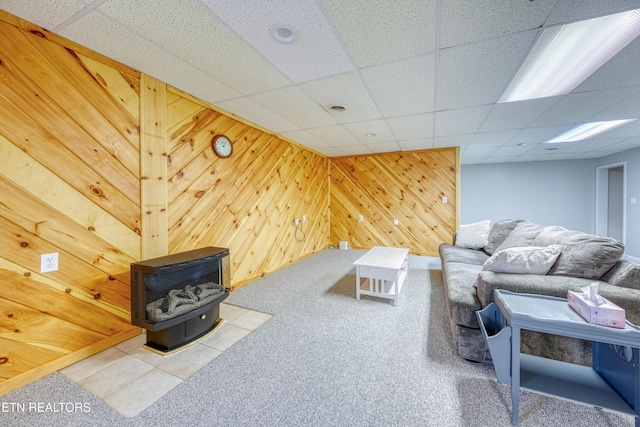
x,y
612,383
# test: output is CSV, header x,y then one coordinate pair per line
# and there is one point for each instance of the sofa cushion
x,y
522,235
499,232
583,255
461,294
475,236
523,260
449,253
625,274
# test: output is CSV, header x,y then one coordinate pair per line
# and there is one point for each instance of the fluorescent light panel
x,y
564,56
588,130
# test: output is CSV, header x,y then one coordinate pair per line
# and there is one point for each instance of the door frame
x,y
602,199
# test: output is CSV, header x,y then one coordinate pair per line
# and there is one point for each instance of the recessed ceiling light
x,y
284,33
564,56
588,130
369,134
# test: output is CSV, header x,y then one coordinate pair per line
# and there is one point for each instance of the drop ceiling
x,y
412,74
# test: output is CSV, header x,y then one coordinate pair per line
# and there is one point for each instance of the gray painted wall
x,y
549,193
632,159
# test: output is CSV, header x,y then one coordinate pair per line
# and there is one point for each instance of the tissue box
x,y
604,313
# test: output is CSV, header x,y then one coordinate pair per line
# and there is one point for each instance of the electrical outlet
x,y
396,222
304,218
445,200
360,218
48,262
296,222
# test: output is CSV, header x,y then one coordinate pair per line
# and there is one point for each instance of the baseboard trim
x,y
631,258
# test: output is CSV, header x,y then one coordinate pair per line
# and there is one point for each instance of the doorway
x,y
610,218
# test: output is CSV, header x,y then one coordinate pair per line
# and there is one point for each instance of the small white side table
x,y
384,270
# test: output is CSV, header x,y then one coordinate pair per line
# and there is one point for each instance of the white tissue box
x,y
604,313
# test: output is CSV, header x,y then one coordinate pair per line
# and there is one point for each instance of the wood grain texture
x,y
69,184
407,186
247,202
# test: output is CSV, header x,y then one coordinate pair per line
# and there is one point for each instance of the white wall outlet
x,y
360,218
296,222
396,222
48,262
633,200
304,218
445,200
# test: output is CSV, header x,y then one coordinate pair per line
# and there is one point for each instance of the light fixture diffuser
x,y
564,56
588,130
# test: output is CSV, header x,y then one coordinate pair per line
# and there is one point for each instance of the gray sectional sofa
x,y
520,256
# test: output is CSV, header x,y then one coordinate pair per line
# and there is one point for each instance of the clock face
x,y
222,146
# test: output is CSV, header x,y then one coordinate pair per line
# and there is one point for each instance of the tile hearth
x,y
129,378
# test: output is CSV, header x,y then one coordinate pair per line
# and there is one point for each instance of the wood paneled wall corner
x,y
407,186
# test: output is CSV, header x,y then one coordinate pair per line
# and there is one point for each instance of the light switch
x,y
444,200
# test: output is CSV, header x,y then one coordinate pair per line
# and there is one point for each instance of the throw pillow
x,y
523,260
583,255
522,235
473,236
625,274
498,233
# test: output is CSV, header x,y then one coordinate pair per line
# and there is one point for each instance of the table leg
x,y
515,374
357,282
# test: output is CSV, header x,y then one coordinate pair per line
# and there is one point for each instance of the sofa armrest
x,y
556,286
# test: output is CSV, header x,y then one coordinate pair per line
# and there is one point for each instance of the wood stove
x,y
176,298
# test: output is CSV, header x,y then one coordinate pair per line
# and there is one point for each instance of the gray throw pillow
x,y
522,235
498,233
625,274
473,236
583,255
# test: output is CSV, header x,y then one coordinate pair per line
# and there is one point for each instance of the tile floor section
x,y
130,378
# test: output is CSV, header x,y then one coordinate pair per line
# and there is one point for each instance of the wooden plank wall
x,y
247,202
69,167
70,182
407,186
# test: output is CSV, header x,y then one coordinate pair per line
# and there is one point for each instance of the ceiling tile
x,y
402,87
411,127
460,122
256,113
354,150
347,90
47,14
516,115
416,144
189,31
295,106
478,73
384,147
306,138
628,108
335,136
378,31
579,107
317,52
464,21
577,10
378,128
452,141
492,139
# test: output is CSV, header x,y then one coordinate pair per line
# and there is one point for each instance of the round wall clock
x,y
222,146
